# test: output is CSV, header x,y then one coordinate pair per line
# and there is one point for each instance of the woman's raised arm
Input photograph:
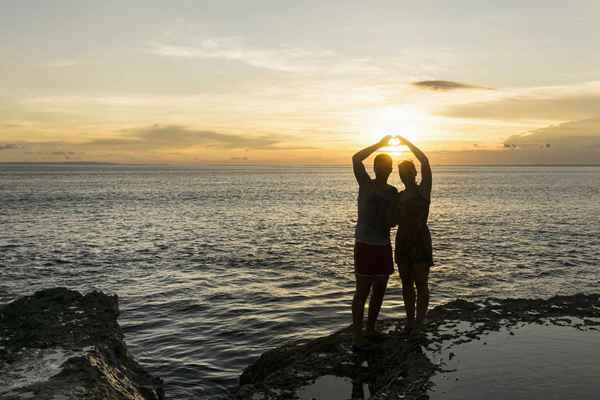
x,y
425,168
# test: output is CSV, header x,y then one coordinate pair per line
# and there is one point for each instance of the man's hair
x,y
383,163
407,171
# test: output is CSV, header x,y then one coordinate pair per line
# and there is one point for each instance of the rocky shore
x,y
400,366
60,344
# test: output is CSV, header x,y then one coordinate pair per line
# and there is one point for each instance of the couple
x,y
381,206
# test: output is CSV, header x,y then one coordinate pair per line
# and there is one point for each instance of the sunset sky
x,y
196,82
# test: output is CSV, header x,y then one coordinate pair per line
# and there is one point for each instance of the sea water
x,y
214,265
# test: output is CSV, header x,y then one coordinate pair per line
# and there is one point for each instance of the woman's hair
x,y
407,170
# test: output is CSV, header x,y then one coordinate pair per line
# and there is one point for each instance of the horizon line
x,y
233,164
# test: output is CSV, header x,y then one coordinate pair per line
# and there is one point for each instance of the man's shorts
x,y
372,259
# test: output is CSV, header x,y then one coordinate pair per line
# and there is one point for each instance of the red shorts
x,y
372,259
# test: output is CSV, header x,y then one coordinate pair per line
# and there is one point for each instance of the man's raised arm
x,y
357,159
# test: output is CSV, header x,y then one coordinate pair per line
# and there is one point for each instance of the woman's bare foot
x,y
410,327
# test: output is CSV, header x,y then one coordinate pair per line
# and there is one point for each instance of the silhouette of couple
x,y
381,206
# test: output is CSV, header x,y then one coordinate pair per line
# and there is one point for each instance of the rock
x,y
399,366
60,344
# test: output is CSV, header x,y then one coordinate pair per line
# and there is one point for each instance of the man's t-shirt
x,y
372,226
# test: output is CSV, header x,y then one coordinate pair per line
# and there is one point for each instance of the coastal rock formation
x,y
401,366
60,344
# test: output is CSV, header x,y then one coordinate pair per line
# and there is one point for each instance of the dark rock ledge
x,y
398,367
60,344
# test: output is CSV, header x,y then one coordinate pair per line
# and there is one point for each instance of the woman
x,y
413,252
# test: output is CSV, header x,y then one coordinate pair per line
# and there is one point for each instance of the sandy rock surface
x,y
398,366
60,344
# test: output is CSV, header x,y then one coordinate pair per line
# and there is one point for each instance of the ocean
x,y
214,265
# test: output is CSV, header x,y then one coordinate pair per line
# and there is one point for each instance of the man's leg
x,y
363,287
408,293
377,294
421,274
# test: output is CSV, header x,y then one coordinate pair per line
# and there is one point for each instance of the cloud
x,y
180,136
9,126
67,155
161,138
175,136
558,103
573,135
9,146
444,85
290,59
574,143
282,58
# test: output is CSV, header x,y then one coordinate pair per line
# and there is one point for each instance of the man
x,y
373,261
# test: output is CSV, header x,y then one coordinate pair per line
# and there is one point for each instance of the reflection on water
x,y
331,387
534,362
215,265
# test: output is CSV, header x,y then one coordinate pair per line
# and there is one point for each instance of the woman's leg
x,y
421,275
377,293
408,292
363,287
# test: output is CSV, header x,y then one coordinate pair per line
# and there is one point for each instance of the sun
x,y
407,121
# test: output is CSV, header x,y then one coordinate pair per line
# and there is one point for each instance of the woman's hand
x,y
425,168
402,140
385,141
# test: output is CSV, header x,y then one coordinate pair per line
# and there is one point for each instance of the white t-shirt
x,y
372,226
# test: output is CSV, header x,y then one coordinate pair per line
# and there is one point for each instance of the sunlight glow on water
x,y
215,265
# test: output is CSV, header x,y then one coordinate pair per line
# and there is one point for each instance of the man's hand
x,y
357,159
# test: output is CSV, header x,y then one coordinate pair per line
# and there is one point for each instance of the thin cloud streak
x,y
59,63
288,59
279,59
